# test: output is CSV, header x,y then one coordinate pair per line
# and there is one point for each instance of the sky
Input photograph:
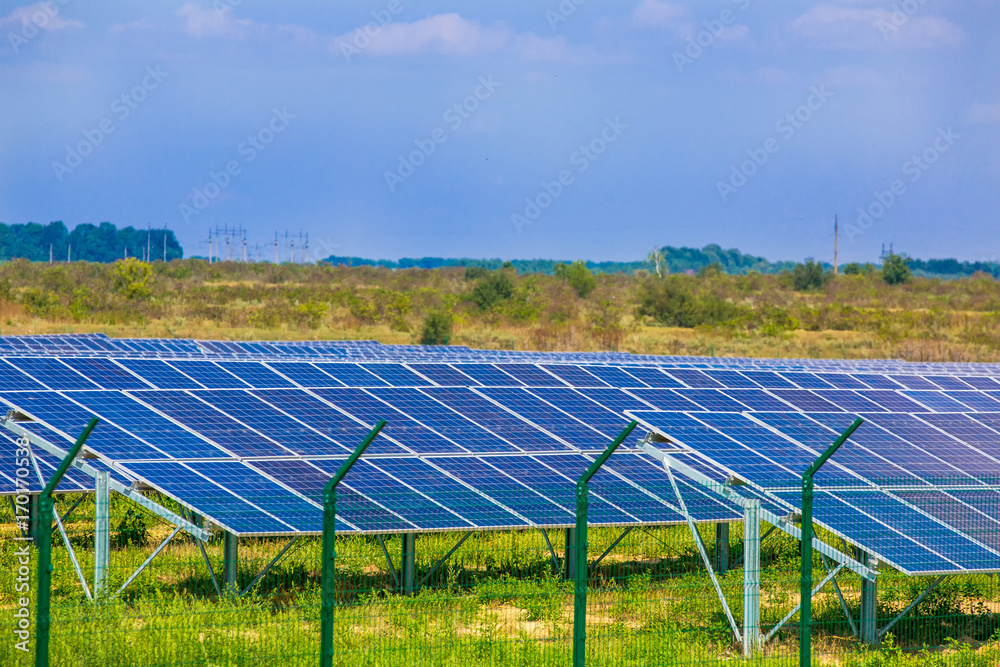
x,y
557,129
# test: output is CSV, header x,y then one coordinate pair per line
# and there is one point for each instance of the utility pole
x,y
164,245
69,253
209,246
149,235
50,254
307,247
836,239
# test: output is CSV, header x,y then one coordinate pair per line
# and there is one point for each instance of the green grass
x,y
497,601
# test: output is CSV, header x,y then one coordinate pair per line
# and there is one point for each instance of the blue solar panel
x,y
105,373
608,422
732,379
396,374
52,373
946,382
12,379
519,497
577,376
224,431
441,418
892,401
713,400
208,374
807,380
954,457
980,382
485,413
665,399
977,400
351,375
757,400
201,495
842,381
539,412
255,374
160,374
304,374
852,401
488,374
616,377
531,375
326,419
654,377
936,401
616,400
914,382
444,375
877,381
694,378
768,379
805,400
411,434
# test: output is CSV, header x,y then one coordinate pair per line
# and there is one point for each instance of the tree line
x,y
87,242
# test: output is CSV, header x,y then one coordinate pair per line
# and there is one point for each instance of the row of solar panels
x,y
886,488
74,373
100,345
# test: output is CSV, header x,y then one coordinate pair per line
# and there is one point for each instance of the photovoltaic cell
x,y
665,399
893,401
12,379
914,382
936,401
160,374
208,374
654,377
577,376
977,400
488,375
255,374
768,379
304,374
531,375
590,413
757,400
842,380
877,381
852,401
52,373
105,373
732,379
352,375
807,380
805,400
396,375
946,382
694,378
539,412
616,377
445,375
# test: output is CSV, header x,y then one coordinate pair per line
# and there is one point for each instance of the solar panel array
x,y
247,434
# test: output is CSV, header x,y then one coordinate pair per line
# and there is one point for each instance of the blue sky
x,y
515,129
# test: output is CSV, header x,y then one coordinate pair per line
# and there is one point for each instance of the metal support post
x,y
43,539
230,562
721,547
576,548
102,532
328,577
869,604
407,563
751,578
806,542
569,567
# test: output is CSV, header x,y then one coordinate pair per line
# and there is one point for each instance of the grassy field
x,y
857,316
498,601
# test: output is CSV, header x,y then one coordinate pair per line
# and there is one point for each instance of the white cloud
x,y
44,15
657,14
987,114
200,22
849,28
451,35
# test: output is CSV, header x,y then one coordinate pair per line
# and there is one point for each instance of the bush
x,y
578,276
895,270
476,272
492,290
133,529
130,278
809,276
672,301
436,329
855,269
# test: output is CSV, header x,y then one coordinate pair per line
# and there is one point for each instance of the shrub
x,y
809,276
436,329
476,272
130,278
132,529
895,270
311,313
40,302
855,269
672,301
578,276
492,290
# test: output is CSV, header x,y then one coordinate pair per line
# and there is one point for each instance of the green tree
x,y
578,276
130,278
895,269
809,275
436,329
492,290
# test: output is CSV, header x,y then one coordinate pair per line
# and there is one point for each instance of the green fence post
x,y
805,590
328,589
580,572
43,539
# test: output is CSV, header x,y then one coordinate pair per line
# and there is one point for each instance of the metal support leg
x,y
869,604
102,532
751,578
721,548
569,567
407,563
230,562
552,552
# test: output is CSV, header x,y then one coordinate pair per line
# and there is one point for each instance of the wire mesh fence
x,y
655,592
